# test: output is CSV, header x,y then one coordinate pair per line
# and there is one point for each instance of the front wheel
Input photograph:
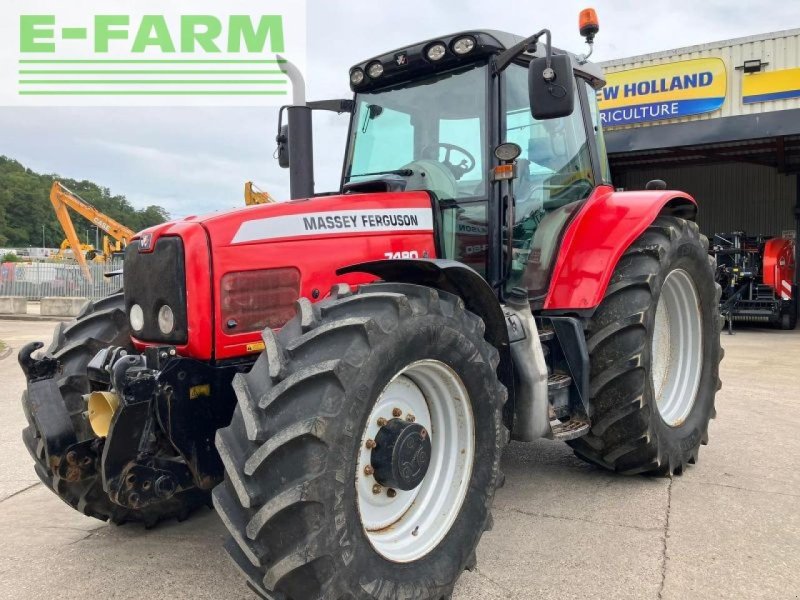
x,y
364,453
654,346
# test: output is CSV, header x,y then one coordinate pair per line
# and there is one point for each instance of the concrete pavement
x,y
728,528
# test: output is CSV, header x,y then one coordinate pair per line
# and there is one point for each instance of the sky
x,y
196,160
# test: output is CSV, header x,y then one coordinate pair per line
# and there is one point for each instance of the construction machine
x,y
253,195
87,250
64,200
341,373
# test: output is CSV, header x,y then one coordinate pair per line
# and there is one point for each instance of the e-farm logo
x,y
148,52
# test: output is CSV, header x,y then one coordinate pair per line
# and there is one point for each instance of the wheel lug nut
x,y
397,412
381,422
391,493
377,488
368,470
370,444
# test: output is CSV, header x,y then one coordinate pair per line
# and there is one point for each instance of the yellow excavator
x,y
63,200
253,195
86,249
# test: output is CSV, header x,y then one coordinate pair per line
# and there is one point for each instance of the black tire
x,y
789,320
628,434
100,324
296,532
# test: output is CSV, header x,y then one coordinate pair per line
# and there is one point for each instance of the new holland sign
x,y
772,85
666,91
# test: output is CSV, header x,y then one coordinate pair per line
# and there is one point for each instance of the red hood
x,y
315,237
343,215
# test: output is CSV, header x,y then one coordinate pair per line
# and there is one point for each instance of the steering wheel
x,y
460,169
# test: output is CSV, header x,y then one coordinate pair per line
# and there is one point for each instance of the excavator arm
x,y
253,195
63,200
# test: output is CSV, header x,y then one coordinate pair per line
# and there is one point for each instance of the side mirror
x,y
283,147
551,90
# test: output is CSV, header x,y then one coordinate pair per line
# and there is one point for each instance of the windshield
x,y
430,133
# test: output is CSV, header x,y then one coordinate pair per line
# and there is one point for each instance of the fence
x,y
40,279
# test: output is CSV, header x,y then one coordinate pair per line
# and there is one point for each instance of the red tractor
x,y
341,372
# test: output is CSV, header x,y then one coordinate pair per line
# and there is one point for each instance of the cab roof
x,y
410,62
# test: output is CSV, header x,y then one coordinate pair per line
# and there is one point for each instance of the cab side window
x,y
554,173
554,167
594,109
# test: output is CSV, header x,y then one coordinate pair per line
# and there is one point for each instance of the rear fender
x,y
599,235
459,279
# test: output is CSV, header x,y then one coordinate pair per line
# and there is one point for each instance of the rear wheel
x,y
364,453
99,325
654,352
789,319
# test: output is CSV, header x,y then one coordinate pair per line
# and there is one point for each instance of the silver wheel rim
x,y
677,362
406,527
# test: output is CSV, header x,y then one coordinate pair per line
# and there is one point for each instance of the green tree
x,y
25,207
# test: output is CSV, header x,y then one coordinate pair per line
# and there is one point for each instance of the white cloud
x,y
197,160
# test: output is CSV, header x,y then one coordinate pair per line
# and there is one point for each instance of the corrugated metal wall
x,y
732,197
781,50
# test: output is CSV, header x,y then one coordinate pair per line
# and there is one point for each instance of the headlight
x,y
356,76
166,320
436,51
136,317
464,45
375,70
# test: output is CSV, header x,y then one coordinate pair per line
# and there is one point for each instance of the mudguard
x,y
448,276
598,236
459,279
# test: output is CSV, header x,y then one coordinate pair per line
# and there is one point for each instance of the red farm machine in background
x,y
758,278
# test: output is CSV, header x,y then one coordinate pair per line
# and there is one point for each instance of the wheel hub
x,y
402,454
414,464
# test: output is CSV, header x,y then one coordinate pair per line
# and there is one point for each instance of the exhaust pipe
x,y
300,142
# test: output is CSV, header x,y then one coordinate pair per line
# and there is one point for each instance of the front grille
x,y
154,279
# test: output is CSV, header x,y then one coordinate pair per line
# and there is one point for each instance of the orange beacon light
x,y
588,23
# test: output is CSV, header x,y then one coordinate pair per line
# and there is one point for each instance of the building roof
x,y
700,47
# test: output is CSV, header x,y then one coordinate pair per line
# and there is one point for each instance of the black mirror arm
x,y
506,58
337,106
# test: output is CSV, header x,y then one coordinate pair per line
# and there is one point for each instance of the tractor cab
x,y
430,117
